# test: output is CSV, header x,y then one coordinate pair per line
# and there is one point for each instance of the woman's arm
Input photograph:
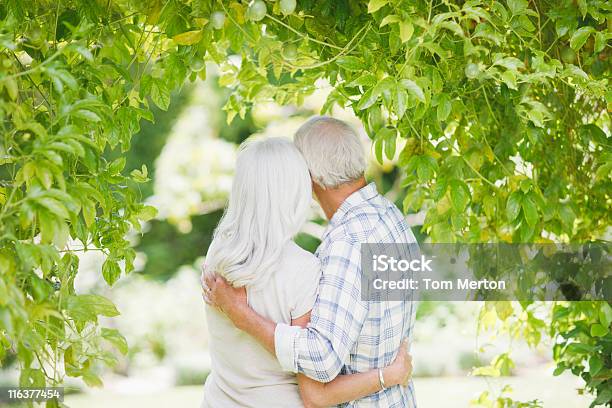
x,y
346,388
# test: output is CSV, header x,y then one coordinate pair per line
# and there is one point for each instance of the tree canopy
x,y
496,113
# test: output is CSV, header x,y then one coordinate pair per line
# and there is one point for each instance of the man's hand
x,y
233,302
400,371
217,292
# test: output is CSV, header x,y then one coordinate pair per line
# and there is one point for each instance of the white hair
x,y
268,204
332,150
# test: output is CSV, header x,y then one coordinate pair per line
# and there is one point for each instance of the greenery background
x,y
489,122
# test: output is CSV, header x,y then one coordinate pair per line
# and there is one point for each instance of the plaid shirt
x,y
348,334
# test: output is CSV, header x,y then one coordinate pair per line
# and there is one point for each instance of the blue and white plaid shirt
x,y
348,334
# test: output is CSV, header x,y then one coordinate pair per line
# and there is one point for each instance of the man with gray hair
x,y
347,333
332,150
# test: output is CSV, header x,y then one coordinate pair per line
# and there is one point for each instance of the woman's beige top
x,y
243,373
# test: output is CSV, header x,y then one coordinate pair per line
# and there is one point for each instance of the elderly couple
x,y
288,328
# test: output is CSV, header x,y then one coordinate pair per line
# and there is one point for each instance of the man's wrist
x,y
240,315
390,377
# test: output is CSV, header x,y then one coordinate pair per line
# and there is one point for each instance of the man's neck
x,y
332,198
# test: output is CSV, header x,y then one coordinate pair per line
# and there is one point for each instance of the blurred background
x,y
190,152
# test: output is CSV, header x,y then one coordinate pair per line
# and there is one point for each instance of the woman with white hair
x,y
253,248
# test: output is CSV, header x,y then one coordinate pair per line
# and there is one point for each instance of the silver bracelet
x,y
381,379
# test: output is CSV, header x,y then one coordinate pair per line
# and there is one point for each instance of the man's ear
x,y
315,189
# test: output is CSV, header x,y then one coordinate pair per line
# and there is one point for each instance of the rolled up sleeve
x,y
323,347
284,344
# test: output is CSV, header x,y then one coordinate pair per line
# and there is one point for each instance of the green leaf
x,y
31,377
375,5
89,211
367,99
504,309
517,6
580,348
383,86
41,289
54,206
567,216
62,233
92,380
84,51
413,88
580,37
605,314
390,19
489,204
140,176
513,205
597,330
425,167
406,30
117,166
458,221
45,176
364,80
583,7
160,95
35,127
530,209
454,27
111,271
460,195
511,63
188,37
600,41
526,232
147,213
509,78
504,363
350,63
387,136
559,370
116,339
378,150
88,307
12,88
486,371
87,115
604,397
375,121
536,112
400,101
413,200
444,108
593,133
54,157
595,365
47,227
442,233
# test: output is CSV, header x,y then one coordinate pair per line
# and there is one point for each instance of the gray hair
x,y
269,202
332,149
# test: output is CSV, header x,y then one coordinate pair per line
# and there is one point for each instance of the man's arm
x,y
314,393
350,387
337,318
320,350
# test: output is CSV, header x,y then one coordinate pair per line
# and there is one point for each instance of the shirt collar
x,y
363,194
